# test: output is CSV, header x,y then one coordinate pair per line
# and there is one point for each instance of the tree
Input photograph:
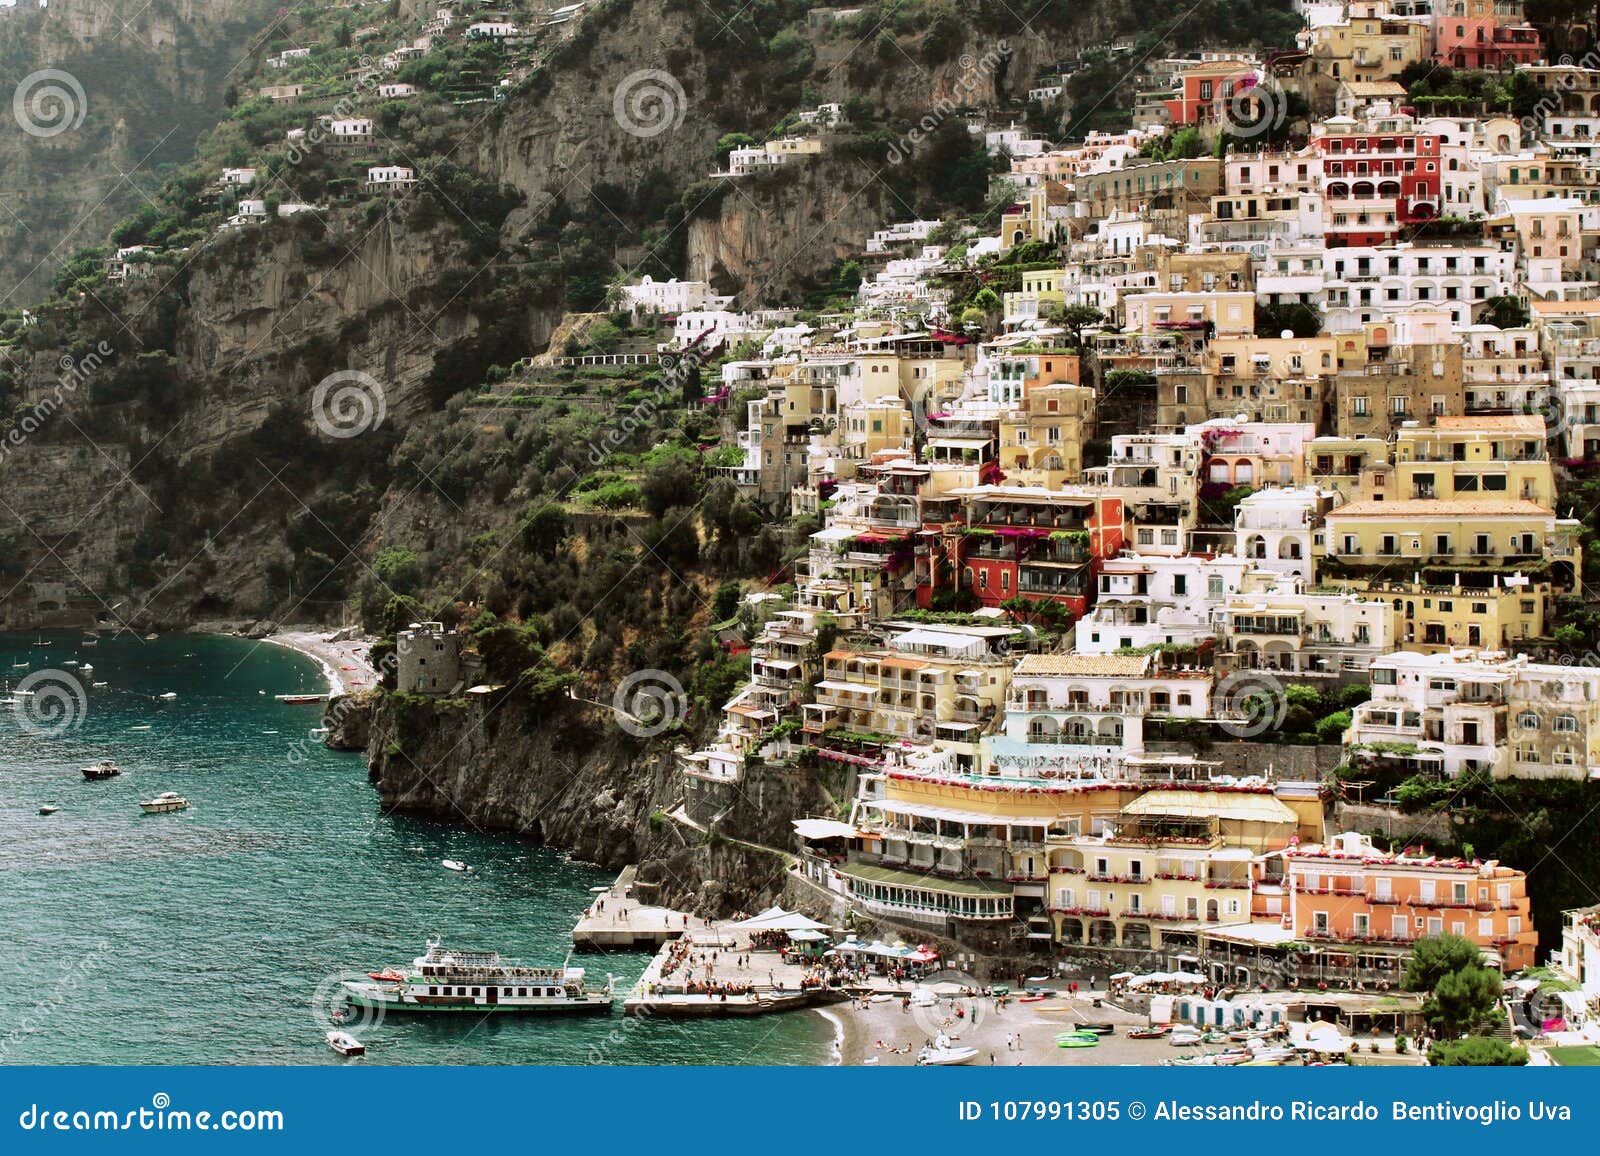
x,y
1462,1000
729,141
545,528
1506,313
397,568
1476,1052
1461,990
1435,957
725,603
1076,318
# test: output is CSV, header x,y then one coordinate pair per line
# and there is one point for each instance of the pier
x,y
615,920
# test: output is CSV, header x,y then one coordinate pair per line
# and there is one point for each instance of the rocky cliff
x,y
103,97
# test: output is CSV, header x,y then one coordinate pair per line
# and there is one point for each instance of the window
x,y
1564,724
1180,584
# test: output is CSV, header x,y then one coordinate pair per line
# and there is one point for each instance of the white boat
x,y
446,980
942,1054
49,809
163,803
168,697
104,769
140,728
455,865
1184,1037
346,1044
151,637
10,700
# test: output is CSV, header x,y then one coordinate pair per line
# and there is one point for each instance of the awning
x,y
777,919
1262,808
806,935
823,829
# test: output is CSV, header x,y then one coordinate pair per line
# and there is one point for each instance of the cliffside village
x,y
1390,475
1401,526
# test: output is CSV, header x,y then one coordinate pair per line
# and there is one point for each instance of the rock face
x,y
578,782
349,722
150,78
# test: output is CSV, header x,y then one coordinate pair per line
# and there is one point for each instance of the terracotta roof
x,y
1104,665
905,663
1440,508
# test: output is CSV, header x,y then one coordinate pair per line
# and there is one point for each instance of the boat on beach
x,y
449,980
164,803
104,769
942,1054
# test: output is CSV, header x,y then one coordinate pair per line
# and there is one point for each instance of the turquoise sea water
x,y
214,935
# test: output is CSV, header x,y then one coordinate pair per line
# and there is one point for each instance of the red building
x,y
1376,183
1015,541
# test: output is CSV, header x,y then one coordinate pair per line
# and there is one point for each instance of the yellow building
x,y
1040,294
1359,469
1171,863
1215,314
1483,458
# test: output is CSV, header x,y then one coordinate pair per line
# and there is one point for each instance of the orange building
x,y
1347,891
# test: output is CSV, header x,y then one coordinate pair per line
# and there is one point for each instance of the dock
x,y
615,920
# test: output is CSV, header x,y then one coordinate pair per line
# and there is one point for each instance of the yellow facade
x,y
1484,458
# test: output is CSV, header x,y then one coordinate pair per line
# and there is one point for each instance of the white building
x,y
1276,528
391,176
351,130
674,296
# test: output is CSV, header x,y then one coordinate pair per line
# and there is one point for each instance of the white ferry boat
x,y
447,980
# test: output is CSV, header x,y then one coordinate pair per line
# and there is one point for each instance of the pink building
x,y
1483,34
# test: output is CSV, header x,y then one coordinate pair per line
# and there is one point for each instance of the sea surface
x,y
217,935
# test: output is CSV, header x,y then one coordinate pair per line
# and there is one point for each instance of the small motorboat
x,y
942,1053
299,699
48,809
387,975
104,769
455,865
151,637
142,728
1098,1029
168,696
1184,1037
346,1044
1077,1040
1153,1032
164,803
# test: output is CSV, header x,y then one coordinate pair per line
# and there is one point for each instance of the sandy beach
x,y
1016,1034
344,664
